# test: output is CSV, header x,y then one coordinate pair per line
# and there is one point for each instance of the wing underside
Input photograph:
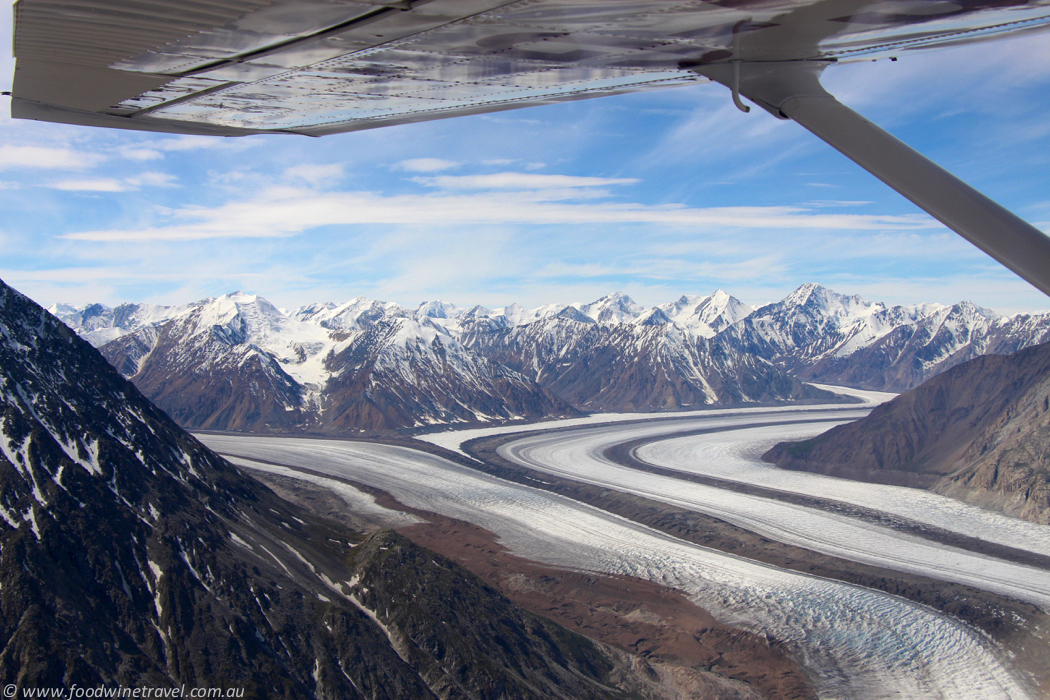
x,y
316,67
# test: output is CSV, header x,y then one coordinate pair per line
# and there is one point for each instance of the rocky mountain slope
x,y
817,334
239,363
206,367
400,372
980,431
635,367
131,555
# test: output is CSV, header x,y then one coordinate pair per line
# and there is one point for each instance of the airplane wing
x,y
314,67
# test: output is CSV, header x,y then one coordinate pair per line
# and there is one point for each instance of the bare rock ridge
x,y
131,555
980,432
637,367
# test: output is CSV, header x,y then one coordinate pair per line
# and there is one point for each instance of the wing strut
x,y
792,90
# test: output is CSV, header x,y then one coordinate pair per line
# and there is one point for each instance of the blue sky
x,y
655,194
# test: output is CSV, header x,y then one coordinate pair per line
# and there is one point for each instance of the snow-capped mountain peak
x,y
436,309
612,308
241,316
653,317
356,314
99,324
706,316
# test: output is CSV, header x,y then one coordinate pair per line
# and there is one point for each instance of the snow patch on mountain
x,y
706,316
99,324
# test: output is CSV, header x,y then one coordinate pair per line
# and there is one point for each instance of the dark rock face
x,y
628,367
463,638
382,379
132,555
980,431
214,384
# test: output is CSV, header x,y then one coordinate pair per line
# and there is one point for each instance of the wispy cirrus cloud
x,y
315,173
519,181
159,148
140,154
288,211
175,144
101,184
109,184
836,203
47,158
152,179
426,165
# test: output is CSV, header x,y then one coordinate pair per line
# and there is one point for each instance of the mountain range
x,y
237,362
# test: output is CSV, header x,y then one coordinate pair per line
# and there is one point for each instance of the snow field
x,y
578,455
734,455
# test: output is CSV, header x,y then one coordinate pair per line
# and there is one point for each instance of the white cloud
x,y
104,184
46,157
426,165
315,173
109,184
141,154
836,203
519,181
152,179
193,143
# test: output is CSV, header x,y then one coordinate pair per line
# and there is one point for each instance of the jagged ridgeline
x,y
131,555
236,362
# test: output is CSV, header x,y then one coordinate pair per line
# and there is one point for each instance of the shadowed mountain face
x,y
980,432
238,363
636,367
400,373
132,555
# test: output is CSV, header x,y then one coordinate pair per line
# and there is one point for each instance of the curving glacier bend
x,y
578,455
734,456
859,642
